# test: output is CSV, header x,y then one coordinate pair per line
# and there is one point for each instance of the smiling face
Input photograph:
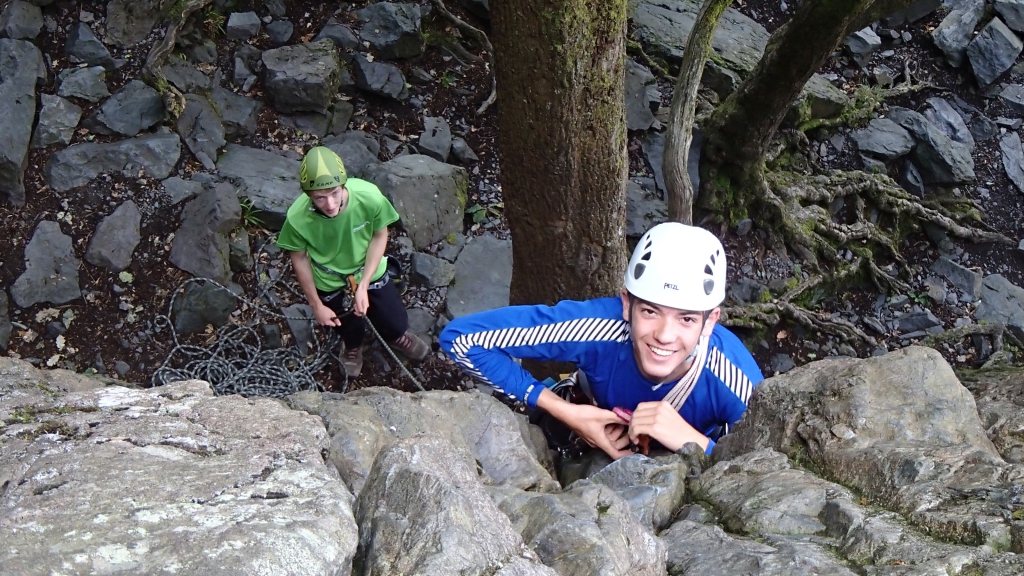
x,y
329,202
664,337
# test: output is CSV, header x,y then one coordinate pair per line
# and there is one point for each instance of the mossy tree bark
x,y
562,136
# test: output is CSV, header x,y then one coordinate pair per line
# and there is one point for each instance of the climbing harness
x,y
236,362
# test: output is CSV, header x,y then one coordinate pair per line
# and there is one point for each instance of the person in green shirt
x,y
336,234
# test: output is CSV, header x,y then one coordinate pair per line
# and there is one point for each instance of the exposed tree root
x,y
996,331
634,48
875,214
865,102
152,70
483,40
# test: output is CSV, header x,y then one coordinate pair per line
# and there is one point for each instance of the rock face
x,y
424,511
363,422
153,155
269,180
429,195
115,238
641,92
587,530
483,273
21,68
20,21
83,47
357,149
899,428
302,78
51,269
1002,301
166,479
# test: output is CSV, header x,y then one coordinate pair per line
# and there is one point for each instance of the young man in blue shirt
x,y
655,350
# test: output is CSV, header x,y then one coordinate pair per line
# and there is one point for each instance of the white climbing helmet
x,y
678,266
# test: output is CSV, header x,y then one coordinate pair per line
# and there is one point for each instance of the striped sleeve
x,y
485,345
731,375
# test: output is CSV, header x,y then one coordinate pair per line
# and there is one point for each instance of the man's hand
x,y
660,421
618,435
324,316
362,301
598,428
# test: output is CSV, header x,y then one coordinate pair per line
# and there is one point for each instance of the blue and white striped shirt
x,y
593,335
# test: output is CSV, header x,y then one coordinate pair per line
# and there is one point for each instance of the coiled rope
x,y
237,362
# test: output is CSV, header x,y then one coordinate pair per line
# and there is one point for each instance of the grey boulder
x,y
955,31
644,207
302,78
280,32
883,138
342,36
200,245
392,29
862,44
1013,159
201,129
941,160
483,274
202,303
129,111
115,238
20,21
948,119
130,21
153,155
85,83
238,113
58,119
184,76
83,47
993,51
1012,12
270,181
242,25
430,196
434,272
380,78
21,69
357,149
641,95
436,139
51,269
1002,301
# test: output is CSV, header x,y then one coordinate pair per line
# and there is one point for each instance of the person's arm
x,y
374,252
660,421
589,422
304,274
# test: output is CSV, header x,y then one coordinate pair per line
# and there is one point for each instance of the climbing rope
x,y
236,361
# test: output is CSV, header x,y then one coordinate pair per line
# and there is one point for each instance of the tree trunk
x,y
562,136
740,130
684,101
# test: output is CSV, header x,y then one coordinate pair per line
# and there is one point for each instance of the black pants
x,y
387,312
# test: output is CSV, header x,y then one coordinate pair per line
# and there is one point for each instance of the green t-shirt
x,y
339,243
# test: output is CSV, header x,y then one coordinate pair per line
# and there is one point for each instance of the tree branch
x,y
482,39
684,100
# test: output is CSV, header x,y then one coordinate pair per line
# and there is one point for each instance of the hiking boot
x,y
353,361
410,346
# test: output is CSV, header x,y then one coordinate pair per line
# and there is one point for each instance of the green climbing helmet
x,y
321,169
